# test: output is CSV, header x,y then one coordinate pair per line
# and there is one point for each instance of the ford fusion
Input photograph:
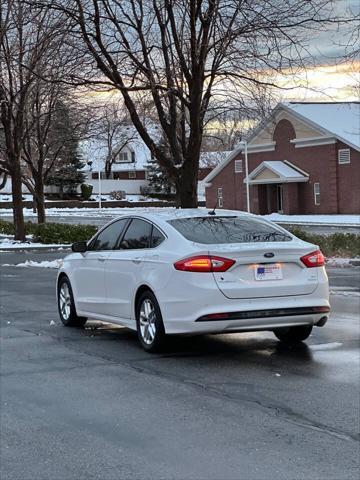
x,y
194,272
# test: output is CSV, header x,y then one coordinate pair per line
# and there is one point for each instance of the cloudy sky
x,y
333,77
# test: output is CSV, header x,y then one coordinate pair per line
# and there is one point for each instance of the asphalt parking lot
x,y
90,404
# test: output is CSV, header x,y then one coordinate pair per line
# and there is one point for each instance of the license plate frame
x,y
268,271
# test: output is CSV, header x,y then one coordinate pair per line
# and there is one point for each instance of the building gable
x,y
302,130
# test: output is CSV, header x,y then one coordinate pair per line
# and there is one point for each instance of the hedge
x,y
337,244
52,232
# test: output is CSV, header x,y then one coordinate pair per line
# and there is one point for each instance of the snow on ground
x,y
7,243
27,197
44,264
89,212
129,198
350,220
353,220
340,262
104,198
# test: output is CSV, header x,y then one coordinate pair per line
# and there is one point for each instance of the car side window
x,y
137,235
107,238
156,238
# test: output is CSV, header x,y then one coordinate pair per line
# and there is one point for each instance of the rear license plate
x,y
268,272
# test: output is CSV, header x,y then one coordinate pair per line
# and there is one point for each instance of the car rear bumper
x,y
248,325
271,313
189,313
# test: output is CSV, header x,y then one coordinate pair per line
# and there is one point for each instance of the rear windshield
x,y
208,230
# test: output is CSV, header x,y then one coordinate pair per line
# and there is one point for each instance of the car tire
x,y
66,305
149,323
293,335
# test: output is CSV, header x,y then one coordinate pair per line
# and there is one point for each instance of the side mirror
x,y
79,247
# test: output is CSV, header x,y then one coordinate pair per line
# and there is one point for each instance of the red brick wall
x,y
232,185
349,182
203,172
338,183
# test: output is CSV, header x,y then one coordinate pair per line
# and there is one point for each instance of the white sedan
x,y
195,272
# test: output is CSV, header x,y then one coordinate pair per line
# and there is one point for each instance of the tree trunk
x,y
107,170
186,189
18,215
40,200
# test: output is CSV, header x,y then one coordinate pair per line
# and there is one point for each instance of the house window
x,y
123,157
238,166
95,176
133,156
344,155
132,174
220,197
317,193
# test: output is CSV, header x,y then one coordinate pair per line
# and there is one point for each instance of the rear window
x,y
208,230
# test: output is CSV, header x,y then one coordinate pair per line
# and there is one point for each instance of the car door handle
x,y
102,259
136,260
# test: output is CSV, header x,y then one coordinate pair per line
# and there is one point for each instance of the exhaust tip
x,y
322,321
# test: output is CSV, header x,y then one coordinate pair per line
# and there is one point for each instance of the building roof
x,y
340,119
279,172
95,150
337,119
212,159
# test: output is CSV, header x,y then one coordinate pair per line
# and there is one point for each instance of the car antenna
x,y
212,212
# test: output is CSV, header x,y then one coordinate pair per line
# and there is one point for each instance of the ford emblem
x,y
269,254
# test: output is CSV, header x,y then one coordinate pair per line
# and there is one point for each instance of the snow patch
x,y
325,346
44,264
340,262
6,243
353,220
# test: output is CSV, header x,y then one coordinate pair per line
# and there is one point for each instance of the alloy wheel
x,y
65,301
147,321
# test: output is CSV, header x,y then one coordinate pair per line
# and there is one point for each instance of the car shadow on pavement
x,y
258,344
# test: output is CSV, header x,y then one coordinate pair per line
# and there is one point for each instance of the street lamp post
x,y
244,142
90,163
99,182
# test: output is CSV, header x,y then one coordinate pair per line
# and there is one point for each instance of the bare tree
x,y
233,116
14,87
48,136
26,35
182,53
35,58
113,131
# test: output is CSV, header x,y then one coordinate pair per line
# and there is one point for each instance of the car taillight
x,y
313,259
204,263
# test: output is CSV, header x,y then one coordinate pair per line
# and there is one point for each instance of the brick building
x,y
304,159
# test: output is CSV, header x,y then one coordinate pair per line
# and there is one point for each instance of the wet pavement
x,y
90,404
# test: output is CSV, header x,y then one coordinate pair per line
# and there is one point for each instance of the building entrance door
x,y
279,198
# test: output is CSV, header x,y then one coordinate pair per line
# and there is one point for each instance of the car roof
x,y
163,215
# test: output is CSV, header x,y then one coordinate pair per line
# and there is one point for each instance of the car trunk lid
x,y
267,269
